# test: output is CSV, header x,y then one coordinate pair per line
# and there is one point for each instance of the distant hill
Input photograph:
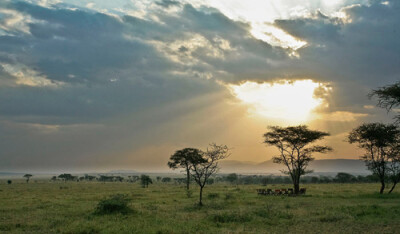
x,y
122,172
323,166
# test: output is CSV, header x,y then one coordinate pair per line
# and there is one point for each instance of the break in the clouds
x,y
110,84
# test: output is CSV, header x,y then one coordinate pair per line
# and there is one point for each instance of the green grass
x,y
46,207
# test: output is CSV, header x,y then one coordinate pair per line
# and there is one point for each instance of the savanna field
x,y
58,207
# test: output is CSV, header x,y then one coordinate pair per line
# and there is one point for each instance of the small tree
x,y
294,153
265,180
65,177
166,180
89,177
185,158
145,180
381,143
27,176
203,168
314,179
343,177
232,178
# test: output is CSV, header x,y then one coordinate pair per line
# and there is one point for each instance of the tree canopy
x,y
185,158
145,180
27,176
207,166
381,144
388,97
294,150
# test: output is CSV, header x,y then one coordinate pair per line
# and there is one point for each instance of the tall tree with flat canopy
x,y
185,158
381,143
201,170
27,176
295,151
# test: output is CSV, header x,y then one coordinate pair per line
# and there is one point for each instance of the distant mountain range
x,y
324,166
320,167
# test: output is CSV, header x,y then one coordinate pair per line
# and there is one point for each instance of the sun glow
x,y
289,101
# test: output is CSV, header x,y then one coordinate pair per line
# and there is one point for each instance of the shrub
x,y
213,195
229,196
117,203
9,182
166,180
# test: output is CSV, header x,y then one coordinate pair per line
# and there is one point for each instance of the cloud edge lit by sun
x,y
287,100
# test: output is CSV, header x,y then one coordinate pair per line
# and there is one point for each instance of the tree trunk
x,y
296,188
187,178
296,184
201,196
394,185
382,187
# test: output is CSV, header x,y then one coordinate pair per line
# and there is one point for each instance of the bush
x,y
117,203
9,182
213,195
229,196
166,180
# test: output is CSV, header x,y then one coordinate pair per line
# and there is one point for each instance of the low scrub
x,y
117,203
213,195
231,217
336,217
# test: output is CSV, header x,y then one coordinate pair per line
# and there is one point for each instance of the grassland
x,y
45,207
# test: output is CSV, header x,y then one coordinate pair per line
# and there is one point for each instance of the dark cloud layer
x,y
84,85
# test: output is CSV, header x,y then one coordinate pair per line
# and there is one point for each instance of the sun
x,y
292,102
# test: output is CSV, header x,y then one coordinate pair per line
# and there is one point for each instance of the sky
x,y
104,85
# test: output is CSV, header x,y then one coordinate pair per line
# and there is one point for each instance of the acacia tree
x,y
381,144
201,170
145,180
27,176
185,158
388,97
65,177
294,150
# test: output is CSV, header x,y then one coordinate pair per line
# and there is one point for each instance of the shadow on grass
x,y
231,217
377,195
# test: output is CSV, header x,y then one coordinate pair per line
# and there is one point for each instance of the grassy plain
x,y
47,207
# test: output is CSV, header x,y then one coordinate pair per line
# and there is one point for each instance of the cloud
x,y
168,3
341,116
90,82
